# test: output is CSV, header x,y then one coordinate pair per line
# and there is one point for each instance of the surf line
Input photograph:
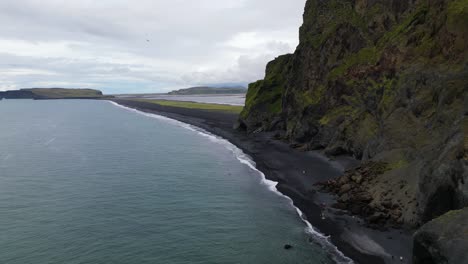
x,y
321,239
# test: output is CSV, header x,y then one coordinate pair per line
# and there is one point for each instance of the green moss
x,y
275,103
334,114
426,46
457,15
277,66
367,128
310,97
389,94
405,26
332,15
366,56
268,92
251,96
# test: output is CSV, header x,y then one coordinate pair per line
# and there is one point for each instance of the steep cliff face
x,y
383,80
263,104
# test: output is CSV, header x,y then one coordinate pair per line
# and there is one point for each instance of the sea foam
x,y
319,238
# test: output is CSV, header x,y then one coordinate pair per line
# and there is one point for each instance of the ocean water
x,y
91,182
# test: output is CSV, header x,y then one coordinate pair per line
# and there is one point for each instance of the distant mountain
x,y
51,93
210,90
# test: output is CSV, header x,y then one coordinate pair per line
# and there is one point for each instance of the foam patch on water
x,y
319,238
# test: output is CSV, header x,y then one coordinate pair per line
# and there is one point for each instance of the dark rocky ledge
x,y
443,240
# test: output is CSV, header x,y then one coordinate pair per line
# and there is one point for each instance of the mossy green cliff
x,y
382,80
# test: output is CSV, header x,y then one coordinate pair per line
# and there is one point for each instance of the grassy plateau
x,y
193,105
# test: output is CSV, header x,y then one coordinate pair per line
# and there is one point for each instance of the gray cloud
x,y
142,45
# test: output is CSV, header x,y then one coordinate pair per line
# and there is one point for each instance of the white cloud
x,y
142,45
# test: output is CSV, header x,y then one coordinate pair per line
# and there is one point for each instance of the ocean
x,y
85,181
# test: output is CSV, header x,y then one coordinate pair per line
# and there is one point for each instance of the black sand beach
x,y
297,172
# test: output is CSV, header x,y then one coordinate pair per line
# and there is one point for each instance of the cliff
x,y
384,81
51,93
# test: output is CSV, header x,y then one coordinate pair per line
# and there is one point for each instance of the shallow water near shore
x,y
88,182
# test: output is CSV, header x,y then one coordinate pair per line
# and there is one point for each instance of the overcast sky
x,y
142,45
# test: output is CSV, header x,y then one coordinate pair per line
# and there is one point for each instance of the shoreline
x,y
296,174
243,158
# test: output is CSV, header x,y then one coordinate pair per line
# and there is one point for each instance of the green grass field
x,y
192,105
65,93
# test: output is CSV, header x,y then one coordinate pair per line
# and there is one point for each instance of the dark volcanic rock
x,y
353,190
382,80
443,240
262,111
385,81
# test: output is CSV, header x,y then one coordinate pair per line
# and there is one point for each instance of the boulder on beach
x,y
443,240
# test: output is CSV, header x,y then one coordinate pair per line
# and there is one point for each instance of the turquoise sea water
x,y
89,182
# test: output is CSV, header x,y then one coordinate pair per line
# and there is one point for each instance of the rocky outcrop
x,y
443,240
354,191
384,81
263,104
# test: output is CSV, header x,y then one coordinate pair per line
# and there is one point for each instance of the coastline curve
x,y
318,238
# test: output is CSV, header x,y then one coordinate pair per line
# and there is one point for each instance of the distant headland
x,y
52,93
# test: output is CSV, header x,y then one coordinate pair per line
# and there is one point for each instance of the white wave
x,y
321,239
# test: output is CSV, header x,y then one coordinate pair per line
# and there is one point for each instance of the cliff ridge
x,y
383,81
